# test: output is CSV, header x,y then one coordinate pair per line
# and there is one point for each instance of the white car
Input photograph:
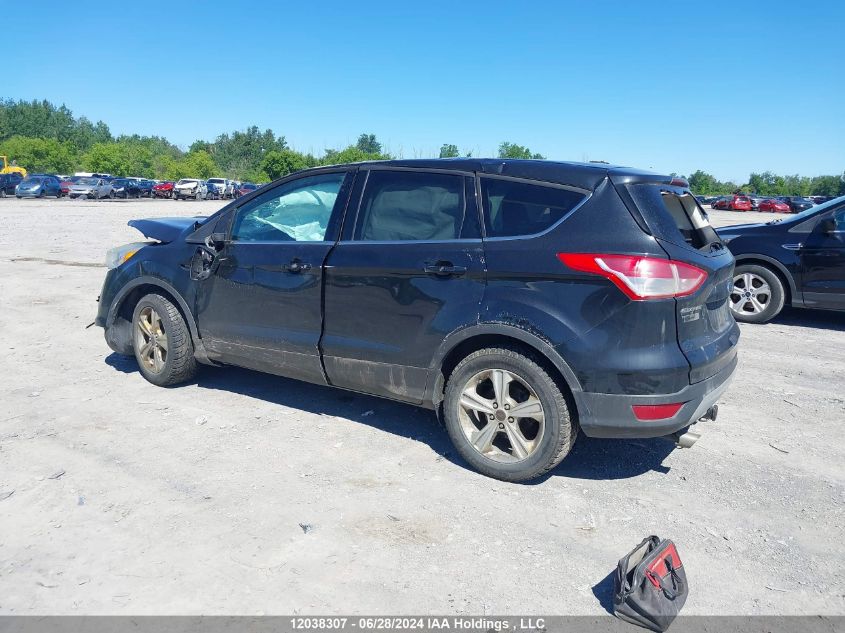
x,y
91,187
190,188
225,186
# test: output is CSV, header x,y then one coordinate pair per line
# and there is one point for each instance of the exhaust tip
x,y
685,439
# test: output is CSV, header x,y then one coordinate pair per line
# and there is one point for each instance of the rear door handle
x,y
296,266
444,269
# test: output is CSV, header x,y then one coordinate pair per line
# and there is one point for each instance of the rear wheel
x,y
162,342
757,295
506,415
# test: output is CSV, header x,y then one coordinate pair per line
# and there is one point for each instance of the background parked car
x,y
225,187
39,186
773,205
8,182
245,188
797,203
799,260
145,187
755,201
733,203
125,188
190,188
91,187
163,189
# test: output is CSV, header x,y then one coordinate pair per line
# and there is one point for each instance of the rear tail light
x,y
640,277
651,412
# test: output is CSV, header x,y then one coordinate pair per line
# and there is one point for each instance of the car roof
x,y
587,175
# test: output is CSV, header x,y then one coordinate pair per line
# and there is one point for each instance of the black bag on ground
x,y
650,585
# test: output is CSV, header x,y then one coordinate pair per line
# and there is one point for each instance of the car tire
x,y
515,448
111,195
162,342
2,193
760,282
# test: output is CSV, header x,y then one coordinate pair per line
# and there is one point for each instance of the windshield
x,y
249,185
216,181
186,181
32,181
87,181
118,182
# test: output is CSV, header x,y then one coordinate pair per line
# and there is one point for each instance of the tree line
x,y
769,184
45,138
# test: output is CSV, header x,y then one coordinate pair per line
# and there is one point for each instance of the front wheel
x,y
507,416
162,342
757,295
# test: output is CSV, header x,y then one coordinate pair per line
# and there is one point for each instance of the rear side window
x,y
513,207
411,206
674,215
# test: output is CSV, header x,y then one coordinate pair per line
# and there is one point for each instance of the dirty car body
x,y
609,280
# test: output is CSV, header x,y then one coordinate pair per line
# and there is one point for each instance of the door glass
x,y
406,205
297,211
839,219
514,208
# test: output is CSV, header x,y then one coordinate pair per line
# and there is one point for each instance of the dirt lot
x,y
127,498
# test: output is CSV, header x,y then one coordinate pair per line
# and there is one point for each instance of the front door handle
x,y
444,269
296,266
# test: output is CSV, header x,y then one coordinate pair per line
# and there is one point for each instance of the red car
x,y
163,189
734,203
774,206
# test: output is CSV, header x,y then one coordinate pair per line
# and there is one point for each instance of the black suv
x,y
8,182
521,300
799,260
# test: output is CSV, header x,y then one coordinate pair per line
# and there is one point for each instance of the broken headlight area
x,y
118,255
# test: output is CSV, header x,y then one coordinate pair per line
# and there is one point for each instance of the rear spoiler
x,y
640,177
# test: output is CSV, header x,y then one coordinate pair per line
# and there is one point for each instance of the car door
x,y
823,262
408,271
261,305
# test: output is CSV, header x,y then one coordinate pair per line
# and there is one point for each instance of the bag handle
x,y
658,582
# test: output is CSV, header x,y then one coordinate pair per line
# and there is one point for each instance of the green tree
x,y
198,164
278,163
703,184
240,153
368,144
351,154
40,154
449,151
512,150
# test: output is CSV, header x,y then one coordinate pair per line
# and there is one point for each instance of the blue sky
x,y
728,87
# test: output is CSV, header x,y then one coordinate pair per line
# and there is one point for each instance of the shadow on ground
x,y
802,317
589,459
603,591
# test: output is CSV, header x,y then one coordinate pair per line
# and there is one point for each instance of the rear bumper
x,y
610,415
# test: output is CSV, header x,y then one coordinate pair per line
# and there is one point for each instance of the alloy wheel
x,y
501,416
750,294
151,340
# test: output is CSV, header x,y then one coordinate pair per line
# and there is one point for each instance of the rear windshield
x,y
674,215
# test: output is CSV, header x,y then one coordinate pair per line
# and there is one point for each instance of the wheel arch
x,y
123,305
793,297
460,344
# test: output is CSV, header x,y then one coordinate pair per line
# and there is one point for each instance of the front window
x,y
298,211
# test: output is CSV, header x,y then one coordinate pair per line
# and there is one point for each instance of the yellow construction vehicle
x,y
6,168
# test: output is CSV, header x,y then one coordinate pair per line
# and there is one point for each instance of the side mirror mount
x,y
215,242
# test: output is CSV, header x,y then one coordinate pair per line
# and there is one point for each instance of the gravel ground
x,y
243,493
